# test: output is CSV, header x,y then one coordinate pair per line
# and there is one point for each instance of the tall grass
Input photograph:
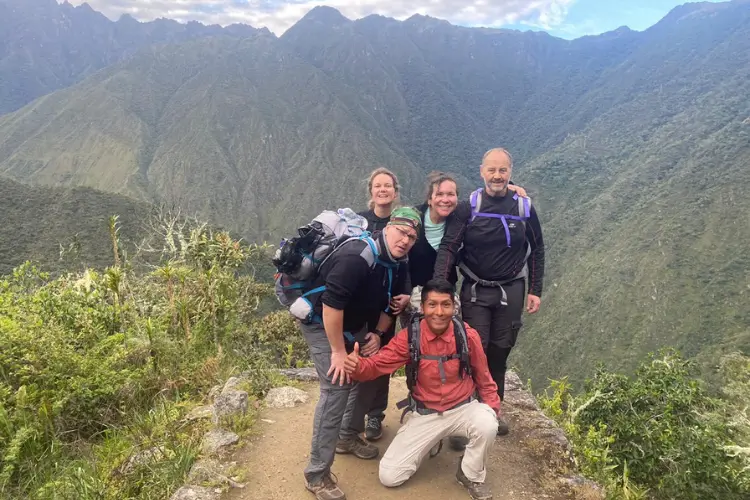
x,y
98,368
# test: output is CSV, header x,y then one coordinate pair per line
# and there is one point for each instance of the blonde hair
x,y
375,173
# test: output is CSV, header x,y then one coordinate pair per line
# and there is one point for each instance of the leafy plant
x,y
98,368
657,434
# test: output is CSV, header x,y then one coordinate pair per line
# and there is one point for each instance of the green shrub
x,y
98,366
658,432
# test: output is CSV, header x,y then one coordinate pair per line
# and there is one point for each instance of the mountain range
x,y
46,46
635,146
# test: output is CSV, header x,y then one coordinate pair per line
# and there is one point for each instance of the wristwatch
x,y
380,333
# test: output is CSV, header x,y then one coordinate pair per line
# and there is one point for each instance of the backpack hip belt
x,y
491,284
419,407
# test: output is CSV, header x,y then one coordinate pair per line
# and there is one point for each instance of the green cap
x,y
406,216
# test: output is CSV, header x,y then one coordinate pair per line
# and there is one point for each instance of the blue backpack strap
x,y
314,290
390,266
524,209
347,335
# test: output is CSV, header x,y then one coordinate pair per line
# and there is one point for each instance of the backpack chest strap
x,y
440,360
524,212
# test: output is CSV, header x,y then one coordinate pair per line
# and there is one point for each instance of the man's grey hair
x,y
498,150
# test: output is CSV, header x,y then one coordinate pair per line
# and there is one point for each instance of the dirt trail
x,y
273,459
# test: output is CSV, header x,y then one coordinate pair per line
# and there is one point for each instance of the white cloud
x,y
278,15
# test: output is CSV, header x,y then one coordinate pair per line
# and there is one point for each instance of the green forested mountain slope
x,y
242,131
37,221
45,46
647,224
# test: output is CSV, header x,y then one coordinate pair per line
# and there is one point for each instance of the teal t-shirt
x,y
433,232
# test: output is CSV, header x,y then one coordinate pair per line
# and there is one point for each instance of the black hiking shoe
x,y
374,429
502,427
326,488
477,491
357,447
458,443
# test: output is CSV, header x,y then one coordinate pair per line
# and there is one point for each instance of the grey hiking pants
x,y
340,412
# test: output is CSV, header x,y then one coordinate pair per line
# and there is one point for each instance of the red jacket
x,y
429,390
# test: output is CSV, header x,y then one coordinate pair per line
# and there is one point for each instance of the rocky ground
x,y
532,462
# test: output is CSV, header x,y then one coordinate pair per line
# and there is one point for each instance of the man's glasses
x,y
411,237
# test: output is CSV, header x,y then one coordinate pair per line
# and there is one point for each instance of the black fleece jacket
x,y
374,223
422,257
485,250
352,286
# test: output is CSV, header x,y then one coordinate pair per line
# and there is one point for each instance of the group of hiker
x,y
454,343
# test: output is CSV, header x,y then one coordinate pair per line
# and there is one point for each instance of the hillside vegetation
x,y
647,217
99,368
65,229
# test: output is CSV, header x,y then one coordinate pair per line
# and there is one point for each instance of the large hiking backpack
x,y
415,355
299,259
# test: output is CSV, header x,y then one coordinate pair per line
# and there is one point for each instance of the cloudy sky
x,y
564,18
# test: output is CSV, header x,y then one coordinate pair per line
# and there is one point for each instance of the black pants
x,y
380,386
498,325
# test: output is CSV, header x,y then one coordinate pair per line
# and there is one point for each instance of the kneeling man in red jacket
x,y
451,391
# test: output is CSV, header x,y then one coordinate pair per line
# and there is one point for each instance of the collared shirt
x,y
429,388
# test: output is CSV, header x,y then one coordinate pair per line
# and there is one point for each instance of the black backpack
x,y
415,355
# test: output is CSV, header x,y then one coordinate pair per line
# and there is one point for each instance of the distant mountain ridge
x,y
46,46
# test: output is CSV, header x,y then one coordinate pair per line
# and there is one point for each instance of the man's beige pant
x,y
413,441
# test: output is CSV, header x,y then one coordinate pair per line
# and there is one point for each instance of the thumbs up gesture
x,y
352,360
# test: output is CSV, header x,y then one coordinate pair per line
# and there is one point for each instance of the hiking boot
x,y
358,447
326,488
502,427
374,429
477,491
458,443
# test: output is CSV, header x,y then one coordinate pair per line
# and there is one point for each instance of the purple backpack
x,y
524,210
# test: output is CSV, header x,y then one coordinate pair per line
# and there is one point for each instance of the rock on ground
x,y
200,412
143,457
217,439
303,374
196,493
286,397
229,403
232,384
